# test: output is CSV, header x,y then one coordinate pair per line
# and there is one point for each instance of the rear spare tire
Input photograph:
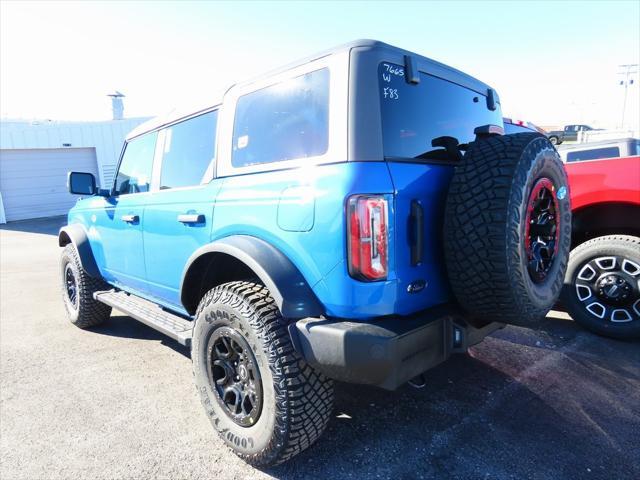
x,y
507,229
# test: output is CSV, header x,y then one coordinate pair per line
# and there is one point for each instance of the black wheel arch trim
x,y
289,289
77,235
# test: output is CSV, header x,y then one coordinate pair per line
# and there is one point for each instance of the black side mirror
x,y
81,183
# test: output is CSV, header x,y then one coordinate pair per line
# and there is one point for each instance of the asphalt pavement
x,y
118,402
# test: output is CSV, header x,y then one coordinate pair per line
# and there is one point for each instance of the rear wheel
x,y
602,286
508,229
266,403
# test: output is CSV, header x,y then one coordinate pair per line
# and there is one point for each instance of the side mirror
x,y
81,183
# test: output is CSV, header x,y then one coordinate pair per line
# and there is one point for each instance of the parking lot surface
x,y
118,401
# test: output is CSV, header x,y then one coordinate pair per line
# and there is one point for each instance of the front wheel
x,y
265,402
602,286
78,289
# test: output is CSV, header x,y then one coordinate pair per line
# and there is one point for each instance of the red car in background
x,y
602,285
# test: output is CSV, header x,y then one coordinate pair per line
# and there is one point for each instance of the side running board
x,y
148,313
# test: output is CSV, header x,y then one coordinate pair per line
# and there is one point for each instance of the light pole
x,y
628,71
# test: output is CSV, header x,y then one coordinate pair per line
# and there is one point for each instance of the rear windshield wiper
x,y
451,150
439,155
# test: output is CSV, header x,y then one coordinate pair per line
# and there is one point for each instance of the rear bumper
x,y
385,352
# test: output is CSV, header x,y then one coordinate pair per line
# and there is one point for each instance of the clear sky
x,y
551,62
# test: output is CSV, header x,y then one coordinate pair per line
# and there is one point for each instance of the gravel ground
x,y
118,401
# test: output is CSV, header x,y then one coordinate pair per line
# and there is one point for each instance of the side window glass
x,y
286,121
188,153
134,174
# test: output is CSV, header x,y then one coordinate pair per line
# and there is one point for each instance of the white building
x,y
35,158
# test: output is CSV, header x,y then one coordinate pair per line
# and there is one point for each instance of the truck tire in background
x,y
507,229
602,286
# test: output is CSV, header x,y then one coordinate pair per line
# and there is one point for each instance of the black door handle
x,y
417,232
130,218
191,218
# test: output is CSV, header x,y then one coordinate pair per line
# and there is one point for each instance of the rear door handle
x,y
191,218
130,218
417,232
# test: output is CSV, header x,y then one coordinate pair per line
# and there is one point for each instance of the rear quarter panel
x,y
315,239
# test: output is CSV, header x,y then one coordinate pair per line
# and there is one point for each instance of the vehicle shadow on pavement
x,y
556,402
518,406
123,326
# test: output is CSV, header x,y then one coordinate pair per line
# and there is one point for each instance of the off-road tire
x,y
484,229
621,246
297,401
85,312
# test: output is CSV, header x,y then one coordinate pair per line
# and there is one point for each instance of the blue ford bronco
x,y
357,216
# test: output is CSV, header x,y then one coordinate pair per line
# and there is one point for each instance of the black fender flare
x,y
290,290
77,235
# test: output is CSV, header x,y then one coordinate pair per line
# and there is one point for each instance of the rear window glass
x,y
414,114
289,120
593,154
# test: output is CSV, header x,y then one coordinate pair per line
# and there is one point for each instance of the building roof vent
x,y
117,106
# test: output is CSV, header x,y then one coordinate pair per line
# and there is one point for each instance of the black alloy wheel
x,y
71,285
542,224
234,376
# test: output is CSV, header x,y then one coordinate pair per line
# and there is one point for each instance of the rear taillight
x,y
367,237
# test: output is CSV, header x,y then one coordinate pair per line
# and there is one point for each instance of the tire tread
x,y
90,312
604,244
482,230
306,394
